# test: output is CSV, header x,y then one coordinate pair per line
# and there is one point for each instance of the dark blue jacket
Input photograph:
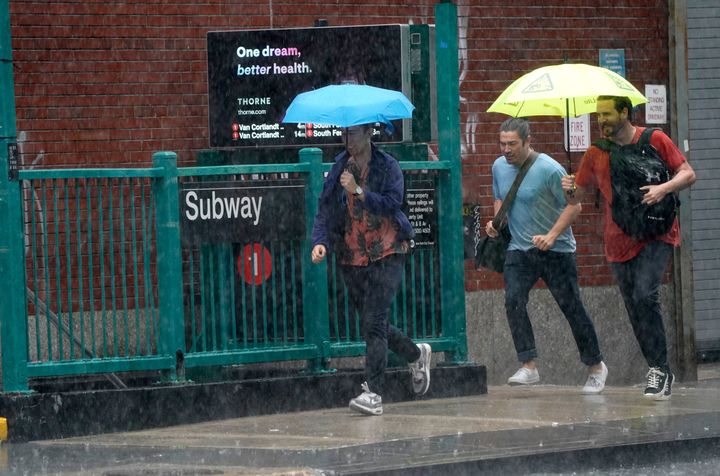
x,y
383,192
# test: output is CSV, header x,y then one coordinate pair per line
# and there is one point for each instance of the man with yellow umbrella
x,y
638,264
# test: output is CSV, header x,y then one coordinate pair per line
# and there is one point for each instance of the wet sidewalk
x,y
510,430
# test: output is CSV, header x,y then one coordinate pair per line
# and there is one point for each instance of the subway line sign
x,y
237,211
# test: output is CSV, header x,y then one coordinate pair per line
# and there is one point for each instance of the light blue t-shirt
x,y
538,204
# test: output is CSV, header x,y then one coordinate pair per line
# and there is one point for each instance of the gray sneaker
x,y
367,402
420,370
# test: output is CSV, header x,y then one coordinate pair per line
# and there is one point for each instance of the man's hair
x,y
517,124
620,103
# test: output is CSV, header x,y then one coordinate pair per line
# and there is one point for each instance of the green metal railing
x,y
110,287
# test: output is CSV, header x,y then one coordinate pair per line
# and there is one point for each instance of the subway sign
x,y
238,211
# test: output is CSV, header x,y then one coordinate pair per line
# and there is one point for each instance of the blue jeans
x,y
639,281
559,271
371,290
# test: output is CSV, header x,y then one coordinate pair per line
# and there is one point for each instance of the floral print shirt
x,y
368,237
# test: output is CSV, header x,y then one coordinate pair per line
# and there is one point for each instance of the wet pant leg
x,y
521,274
559,271
372,289
639,281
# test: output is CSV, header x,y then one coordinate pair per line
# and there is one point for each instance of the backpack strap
x,y
645,136
608,145
605,144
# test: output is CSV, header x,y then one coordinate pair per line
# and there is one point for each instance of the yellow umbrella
x,y
563,90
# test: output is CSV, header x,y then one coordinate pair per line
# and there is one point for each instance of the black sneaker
x,y
659,384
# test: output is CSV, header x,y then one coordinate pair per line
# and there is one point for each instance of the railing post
x,y
13,309
452,277
314,276
169,260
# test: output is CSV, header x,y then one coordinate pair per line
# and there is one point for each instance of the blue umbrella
x,y
348,105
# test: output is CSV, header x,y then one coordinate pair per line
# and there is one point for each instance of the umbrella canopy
x,y
348,105
563,90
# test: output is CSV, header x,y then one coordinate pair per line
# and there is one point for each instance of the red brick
x,y
136,71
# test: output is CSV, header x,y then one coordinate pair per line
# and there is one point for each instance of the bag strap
x,y
645,136
510,197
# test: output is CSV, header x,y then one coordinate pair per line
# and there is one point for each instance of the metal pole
x,y
169,260
315,286
684,310
452,277
13,312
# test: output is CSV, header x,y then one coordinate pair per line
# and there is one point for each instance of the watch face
x,y
358,191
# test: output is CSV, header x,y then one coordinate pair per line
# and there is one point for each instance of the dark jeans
x,y
371,290
639,282
559,271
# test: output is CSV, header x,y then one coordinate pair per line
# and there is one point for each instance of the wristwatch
x,y
358,191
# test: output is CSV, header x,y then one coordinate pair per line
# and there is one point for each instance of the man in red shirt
x,y
637,265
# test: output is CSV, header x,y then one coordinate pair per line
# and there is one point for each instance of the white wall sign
x,y
579,133
656,107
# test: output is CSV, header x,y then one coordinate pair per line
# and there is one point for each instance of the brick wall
x,y
100,83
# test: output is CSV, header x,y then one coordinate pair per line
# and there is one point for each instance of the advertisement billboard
x,y
253,75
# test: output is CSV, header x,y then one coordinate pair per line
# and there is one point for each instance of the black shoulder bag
x,y
490,252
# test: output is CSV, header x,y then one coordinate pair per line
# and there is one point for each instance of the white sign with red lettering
x,y
579,133
656,107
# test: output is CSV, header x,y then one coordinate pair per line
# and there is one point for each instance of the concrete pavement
x,y
510,430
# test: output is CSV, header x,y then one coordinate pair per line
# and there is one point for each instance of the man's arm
x,y
573,194
489,229
496,207
566,218
684,177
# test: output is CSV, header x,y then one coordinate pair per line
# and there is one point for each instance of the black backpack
x,y
631,167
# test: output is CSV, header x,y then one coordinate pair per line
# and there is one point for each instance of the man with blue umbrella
x,y
359,219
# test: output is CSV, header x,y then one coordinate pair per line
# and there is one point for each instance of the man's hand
x,y
347,180
490,230
318,253
543,242
653,194
568,184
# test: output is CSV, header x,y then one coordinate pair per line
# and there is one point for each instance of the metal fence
x,y
106,285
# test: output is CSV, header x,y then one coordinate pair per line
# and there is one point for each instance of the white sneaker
x,y
367,402
524,376
420,370
595,381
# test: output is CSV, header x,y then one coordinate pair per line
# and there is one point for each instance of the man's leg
x,y
560,274
385,276
520,276
357,282
382,280
639,281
